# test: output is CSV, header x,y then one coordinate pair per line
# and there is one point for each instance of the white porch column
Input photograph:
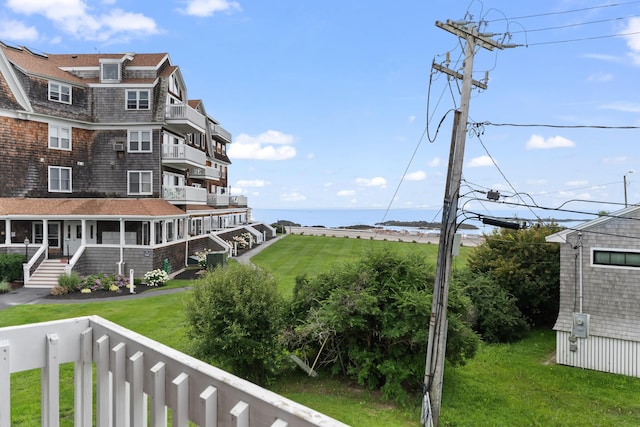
x,y
45,237
152,233
7,232
83,227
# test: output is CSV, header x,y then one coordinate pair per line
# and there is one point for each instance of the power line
x,y
584,9
626,127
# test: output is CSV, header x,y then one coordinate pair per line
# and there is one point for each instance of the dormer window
x,y
110,71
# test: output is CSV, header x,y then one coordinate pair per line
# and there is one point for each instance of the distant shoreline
x,y
468,239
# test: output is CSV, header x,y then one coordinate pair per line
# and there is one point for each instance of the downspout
x,y
580,269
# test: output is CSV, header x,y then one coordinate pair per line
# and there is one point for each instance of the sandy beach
x,y
468,239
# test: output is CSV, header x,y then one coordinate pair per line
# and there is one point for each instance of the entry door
x,y
72,237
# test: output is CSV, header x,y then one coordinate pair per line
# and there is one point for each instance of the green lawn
x,y
504,385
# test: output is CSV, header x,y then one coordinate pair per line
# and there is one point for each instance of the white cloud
x,y
346,193
292,197
625,107
252,183
270,145
415,176
480,162
435,162
537,142
600,77
73,16
412,119
209,7
633,39
615,160
373,182
16,30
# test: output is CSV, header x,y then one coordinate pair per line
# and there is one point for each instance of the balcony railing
x,y
182,155
184,118
238,201
137,381
184,194
204,172
219,132
218,200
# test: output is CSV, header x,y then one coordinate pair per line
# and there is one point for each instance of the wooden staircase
x,y
46,276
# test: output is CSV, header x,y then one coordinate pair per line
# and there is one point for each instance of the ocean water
x,y
333,218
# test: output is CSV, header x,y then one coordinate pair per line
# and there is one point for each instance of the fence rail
x,y
138,381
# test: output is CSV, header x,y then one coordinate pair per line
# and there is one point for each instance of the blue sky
x,y
328,102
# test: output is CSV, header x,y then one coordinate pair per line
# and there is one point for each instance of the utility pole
x,y
436,346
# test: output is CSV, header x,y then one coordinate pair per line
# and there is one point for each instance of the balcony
x,y
204,172
239,201
184,119
218,200
181,195
220,133
182,156
138,381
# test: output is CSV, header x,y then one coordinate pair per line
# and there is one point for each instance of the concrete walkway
x,y
24,295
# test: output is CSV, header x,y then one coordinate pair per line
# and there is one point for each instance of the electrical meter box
x,y
580,325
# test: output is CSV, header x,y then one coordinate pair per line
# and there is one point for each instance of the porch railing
x,y
137,381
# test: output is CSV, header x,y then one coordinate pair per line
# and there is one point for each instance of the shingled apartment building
x,y
108,166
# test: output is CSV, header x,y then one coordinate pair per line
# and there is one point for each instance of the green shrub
x,y
497,317
234,317
369,320
4,287
70,282
11,267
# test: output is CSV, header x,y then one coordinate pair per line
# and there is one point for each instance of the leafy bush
x,y
4,287
234,317
59,290
369,320
497,317
69,282
11,267
157,277
524,266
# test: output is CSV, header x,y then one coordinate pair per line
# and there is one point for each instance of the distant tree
x,y
234,317
514,269
368,319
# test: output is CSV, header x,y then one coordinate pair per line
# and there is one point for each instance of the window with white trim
x,y
59,92
138,99
603,257
59,179
60,137
139,182
140,141
110,71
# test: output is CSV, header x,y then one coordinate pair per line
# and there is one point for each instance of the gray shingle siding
x,y
611,295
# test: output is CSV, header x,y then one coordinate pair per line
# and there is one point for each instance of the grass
x,y
295,255
504,385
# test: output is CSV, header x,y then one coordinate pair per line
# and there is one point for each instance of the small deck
x,y
138,381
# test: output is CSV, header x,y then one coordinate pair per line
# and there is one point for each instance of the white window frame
x,y
137,92
55,132
59,180
56,92
103,77
140,182
139,140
